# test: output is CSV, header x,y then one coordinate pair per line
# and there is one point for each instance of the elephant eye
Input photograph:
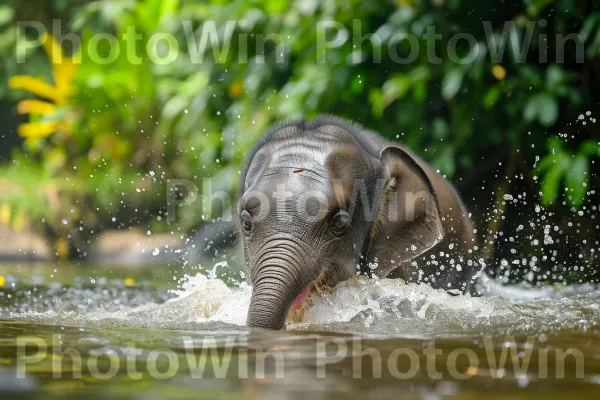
x,y
246,222
340,223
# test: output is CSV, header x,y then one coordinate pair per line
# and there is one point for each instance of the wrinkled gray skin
x,y
356,228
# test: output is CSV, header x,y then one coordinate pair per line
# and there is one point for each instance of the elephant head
x,y
318,203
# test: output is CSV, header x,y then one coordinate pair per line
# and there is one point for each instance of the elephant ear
x,y
408,220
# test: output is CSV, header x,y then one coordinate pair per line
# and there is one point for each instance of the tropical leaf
x,y
34,85
452,82
543,108
576,180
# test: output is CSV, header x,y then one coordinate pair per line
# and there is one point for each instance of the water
x,y
144,335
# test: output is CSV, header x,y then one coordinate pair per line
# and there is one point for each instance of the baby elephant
x,y
324,200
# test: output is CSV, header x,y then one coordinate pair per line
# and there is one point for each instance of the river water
x,y
77,332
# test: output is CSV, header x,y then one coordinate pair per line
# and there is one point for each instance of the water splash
x,y
381,307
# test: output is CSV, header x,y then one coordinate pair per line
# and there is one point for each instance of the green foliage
x,y
141,123
560,165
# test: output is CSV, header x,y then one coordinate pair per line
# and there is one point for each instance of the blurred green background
x,y
513,136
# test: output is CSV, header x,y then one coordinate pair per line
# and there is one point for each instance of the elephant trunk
x,y
275,287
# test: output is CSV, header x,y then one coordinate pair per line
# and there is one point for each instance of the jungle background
x,y
87,148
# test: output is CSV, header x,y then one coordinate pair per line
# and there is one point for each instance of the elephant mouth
x,y
316,285
301,297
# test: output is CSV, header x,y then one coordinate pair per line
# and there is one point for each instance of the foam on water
x,y
382,307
